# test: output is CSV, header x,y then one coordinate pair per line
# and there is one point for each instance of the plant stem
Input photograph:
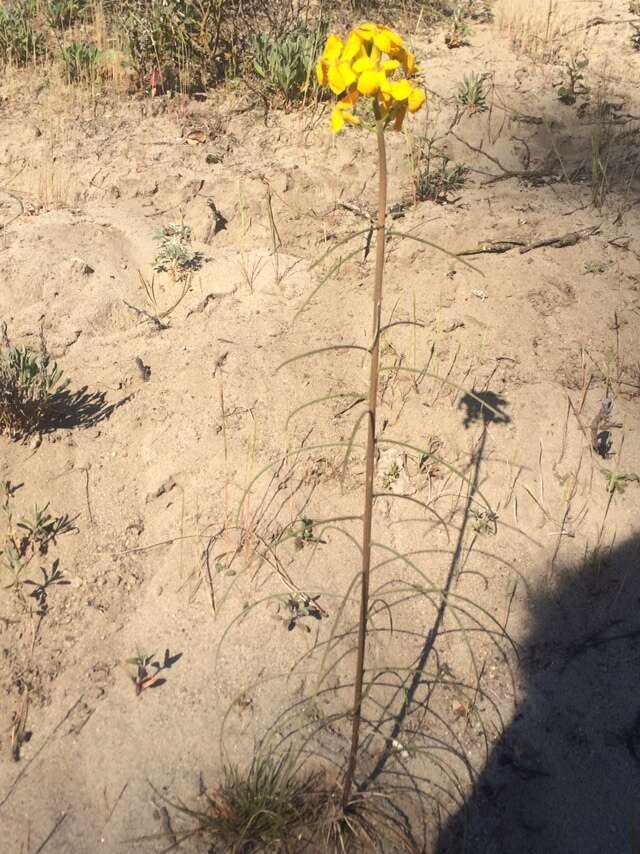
x,y
370,459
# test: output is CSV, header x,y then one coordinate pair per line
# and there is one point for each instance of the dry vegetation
x,y
186,259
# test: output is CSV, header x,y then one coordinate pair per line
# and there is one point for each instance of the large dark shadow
x,y
565,776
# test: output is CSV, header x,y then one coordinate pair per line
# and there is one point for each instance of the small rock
x,y
163,489
452,325
80,266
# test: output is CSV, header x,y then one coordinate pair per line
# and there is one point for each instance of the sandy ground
x,y
180,536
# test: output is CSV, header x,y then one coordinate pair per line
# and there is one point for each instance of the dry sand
x,y
153,472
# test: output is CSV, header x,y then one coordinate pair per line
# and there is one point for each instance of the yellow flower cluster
x,y
365,65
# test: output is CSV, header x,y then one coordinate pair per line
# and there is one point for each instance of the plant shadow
x,y
485,408
80,408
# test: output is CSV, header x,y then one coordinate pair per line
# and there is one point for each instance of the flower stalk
x,y
374,376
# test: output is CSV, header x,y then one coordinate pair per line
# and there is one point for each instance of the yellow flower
x,y
366,65
388,41
341,115
366,32
333,69
372,74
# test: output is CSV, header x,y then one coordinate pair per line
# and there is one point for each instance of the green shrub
x,y
286,64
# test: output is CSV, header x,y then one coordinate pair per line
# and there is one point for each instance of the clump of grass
x,y
82,62
285,64
266,808
275,806
28,387
535,29
20,42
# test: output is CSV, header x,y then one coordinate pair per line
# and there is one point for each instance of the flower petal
x,y
401,90
366,32
353,48
364,63
349,100
387,40
337,120
351,119
369,82
346,72
416,99
390,65
333,47
336,80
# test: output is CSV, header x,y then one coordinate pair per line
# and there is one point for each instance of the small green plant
x,y
140,667
299,606
20,42
593,268
28,387
61,14
175,253
144,670
618,481
82,62
53,578
304,532
572,84
285,64
27,537
471,92
484,521
459,31
435,177
391,475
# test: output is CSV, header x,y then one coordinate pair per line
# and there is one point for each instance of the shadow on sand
x,y
565,776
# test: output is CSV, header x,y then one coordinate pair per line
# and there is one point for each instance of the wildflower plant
x,y
372,75
372,65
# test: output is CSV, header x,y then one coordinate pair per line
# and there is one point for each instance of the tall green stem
x,y
370,459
